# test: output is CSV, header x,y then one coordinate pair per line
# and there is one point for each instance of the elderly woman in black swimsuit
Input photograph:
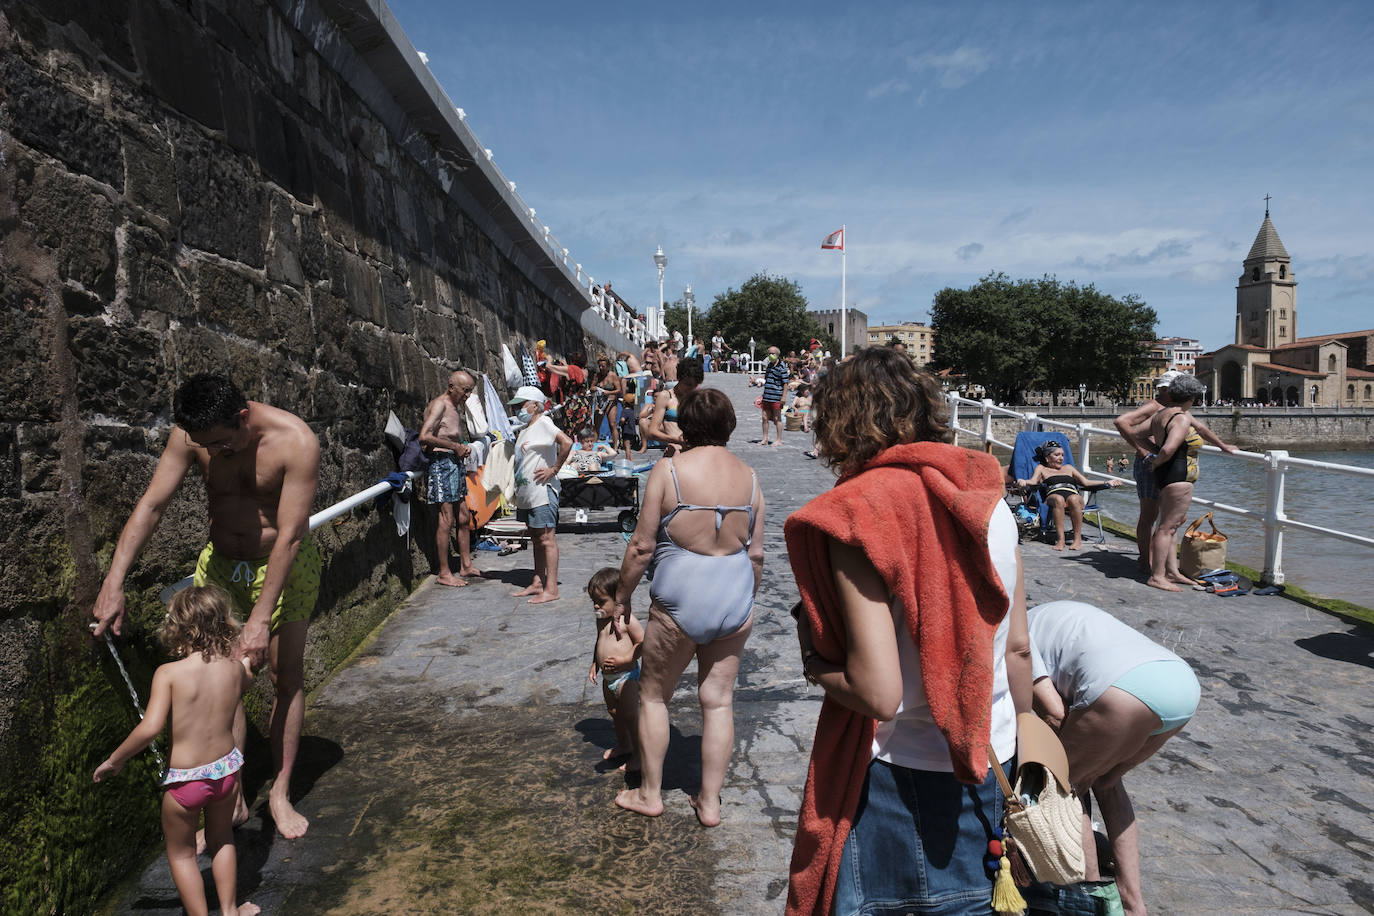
x,y
1063,491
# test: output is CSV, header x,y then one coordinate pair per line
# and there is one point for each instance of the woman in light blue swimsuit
x,y
662,425
701,522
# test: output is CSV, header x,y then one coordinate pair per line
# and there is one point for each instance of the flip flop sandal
x,y
1268,590
1216,575
1225,590
1233,593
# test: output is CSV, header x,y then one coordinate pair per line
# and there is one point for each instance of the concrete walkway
x,y
455,765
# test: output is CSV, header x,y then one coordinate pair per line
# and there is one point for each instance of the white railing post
x,y
1274,518
1084,446
987,424
1031,422
954,414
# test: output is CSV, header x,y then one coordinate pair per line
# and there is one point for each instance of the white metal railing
x,y
345,505
1277,463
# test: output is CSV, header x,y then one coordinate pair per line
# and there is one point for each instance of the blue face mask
x,y
520,420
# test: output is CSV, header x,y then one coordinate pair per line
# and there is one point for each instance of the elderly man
x,y
444,436
260,465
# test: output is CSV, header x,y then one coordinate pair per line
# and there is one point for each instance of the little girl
x,y
200,692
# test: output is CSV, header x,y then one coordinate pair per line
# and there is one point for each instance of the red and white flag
x,y
834,240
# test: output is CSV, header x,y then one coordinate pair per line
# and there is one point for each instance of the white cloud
x,y
956,68
887,86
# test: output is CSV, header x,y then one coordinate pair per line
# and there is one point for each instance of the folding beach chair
x,y
1023,465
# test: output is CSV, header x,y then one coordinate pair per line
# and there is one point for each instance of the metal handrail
x,y
345,505
1277,464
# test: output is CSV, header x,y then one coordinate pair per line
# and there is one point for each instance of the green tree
x,y
771,310
1011,336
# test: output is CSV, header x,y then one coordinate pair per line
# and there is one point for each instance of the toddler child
x,y
619,688
200,693
588,455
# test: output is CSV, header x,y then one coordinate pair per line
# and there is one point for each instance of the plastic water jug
x,y
622,467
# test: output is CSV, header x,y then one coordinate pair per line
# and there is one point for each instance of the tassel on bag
x,y
1006,899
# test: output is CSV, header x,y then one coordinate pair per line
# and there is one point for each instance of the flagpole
x,y
844,318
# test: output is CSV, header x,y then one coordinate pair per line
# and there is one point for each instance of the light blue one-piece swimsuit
x,y
707,596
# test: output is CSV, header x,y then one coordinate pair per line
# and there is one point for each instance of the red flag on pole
x,y
834,240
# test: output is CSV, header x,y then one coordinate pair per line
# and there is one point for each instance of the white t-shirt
x,y
1083,649
911,739
536,447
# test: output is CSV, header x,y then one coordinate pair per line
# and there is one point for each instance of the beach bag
x,y
1047,832
1201,550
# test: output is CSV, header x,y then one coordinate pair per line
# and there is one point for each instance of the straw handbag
x,y
1049,831
1201,550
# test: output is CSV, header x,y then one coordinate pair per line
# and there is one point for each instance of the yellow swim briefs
x,y
242,580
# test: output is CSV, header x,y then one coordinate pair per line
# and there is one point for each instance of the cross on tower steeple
x,y
1266,206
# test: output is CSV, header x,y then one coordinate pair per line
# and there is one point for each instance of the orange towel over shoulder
x,y
920,513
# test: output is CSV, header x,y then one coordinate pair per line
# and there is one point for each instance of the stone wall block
x,y
313,257
363,290
282,151
46,116
155,283
248,365
180,62
38,572
72,219
226,297
39,469
193,349
150,180
329,167
119,370
437,334
105,24
221,204
283,264
241,88
291,317
26,390
371,355
331,316
400,309
10,470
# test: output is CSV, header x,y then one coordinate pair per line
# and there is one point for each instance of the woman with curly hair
x,y
913,621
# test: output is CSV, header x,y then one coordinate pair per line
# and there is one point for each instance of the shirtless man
x,y
1134,427
444,436
260,466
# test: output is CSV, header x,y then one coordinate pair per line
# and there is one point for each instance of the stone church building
x,y
1269,363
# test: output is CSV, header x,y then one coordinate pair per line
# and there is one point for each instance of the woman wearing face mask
x,y
540,450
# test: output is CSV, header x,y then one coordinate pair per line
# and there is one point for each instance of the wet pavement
x,y
454,766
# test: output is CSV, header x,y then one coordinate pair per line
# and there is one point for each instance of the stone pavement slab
x,y
454,765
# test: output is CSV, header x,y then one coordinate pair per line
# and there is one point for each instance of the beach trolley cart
x,y
607,490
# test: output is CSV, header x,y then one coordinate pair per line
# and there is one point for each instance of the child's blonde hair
x,y
200,620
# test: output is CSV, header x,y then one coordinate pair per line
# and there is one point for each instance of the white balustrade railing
x,y
1277,462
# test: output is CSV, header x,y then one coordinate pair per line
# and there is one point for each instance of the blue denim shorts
x,y
918,845
545,516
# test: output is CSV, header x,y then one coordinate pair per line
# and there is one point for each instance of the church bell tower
x,y
1267,294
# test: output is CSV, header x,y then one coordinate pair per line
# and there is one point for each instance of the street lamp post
x,y
1082,397
751,354
689,299
661,261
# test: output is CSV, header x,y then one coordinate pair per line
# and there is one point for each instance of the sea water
x,y
1322,565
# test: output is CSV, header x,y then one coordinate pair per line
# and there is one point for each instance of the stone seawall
x,y
1252,430
278,190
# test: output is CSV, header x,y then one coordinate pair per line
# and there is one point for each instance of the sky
x,y
1129,146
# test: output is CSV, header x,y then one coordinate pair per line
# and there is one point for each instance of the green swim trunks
x,y
242,579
